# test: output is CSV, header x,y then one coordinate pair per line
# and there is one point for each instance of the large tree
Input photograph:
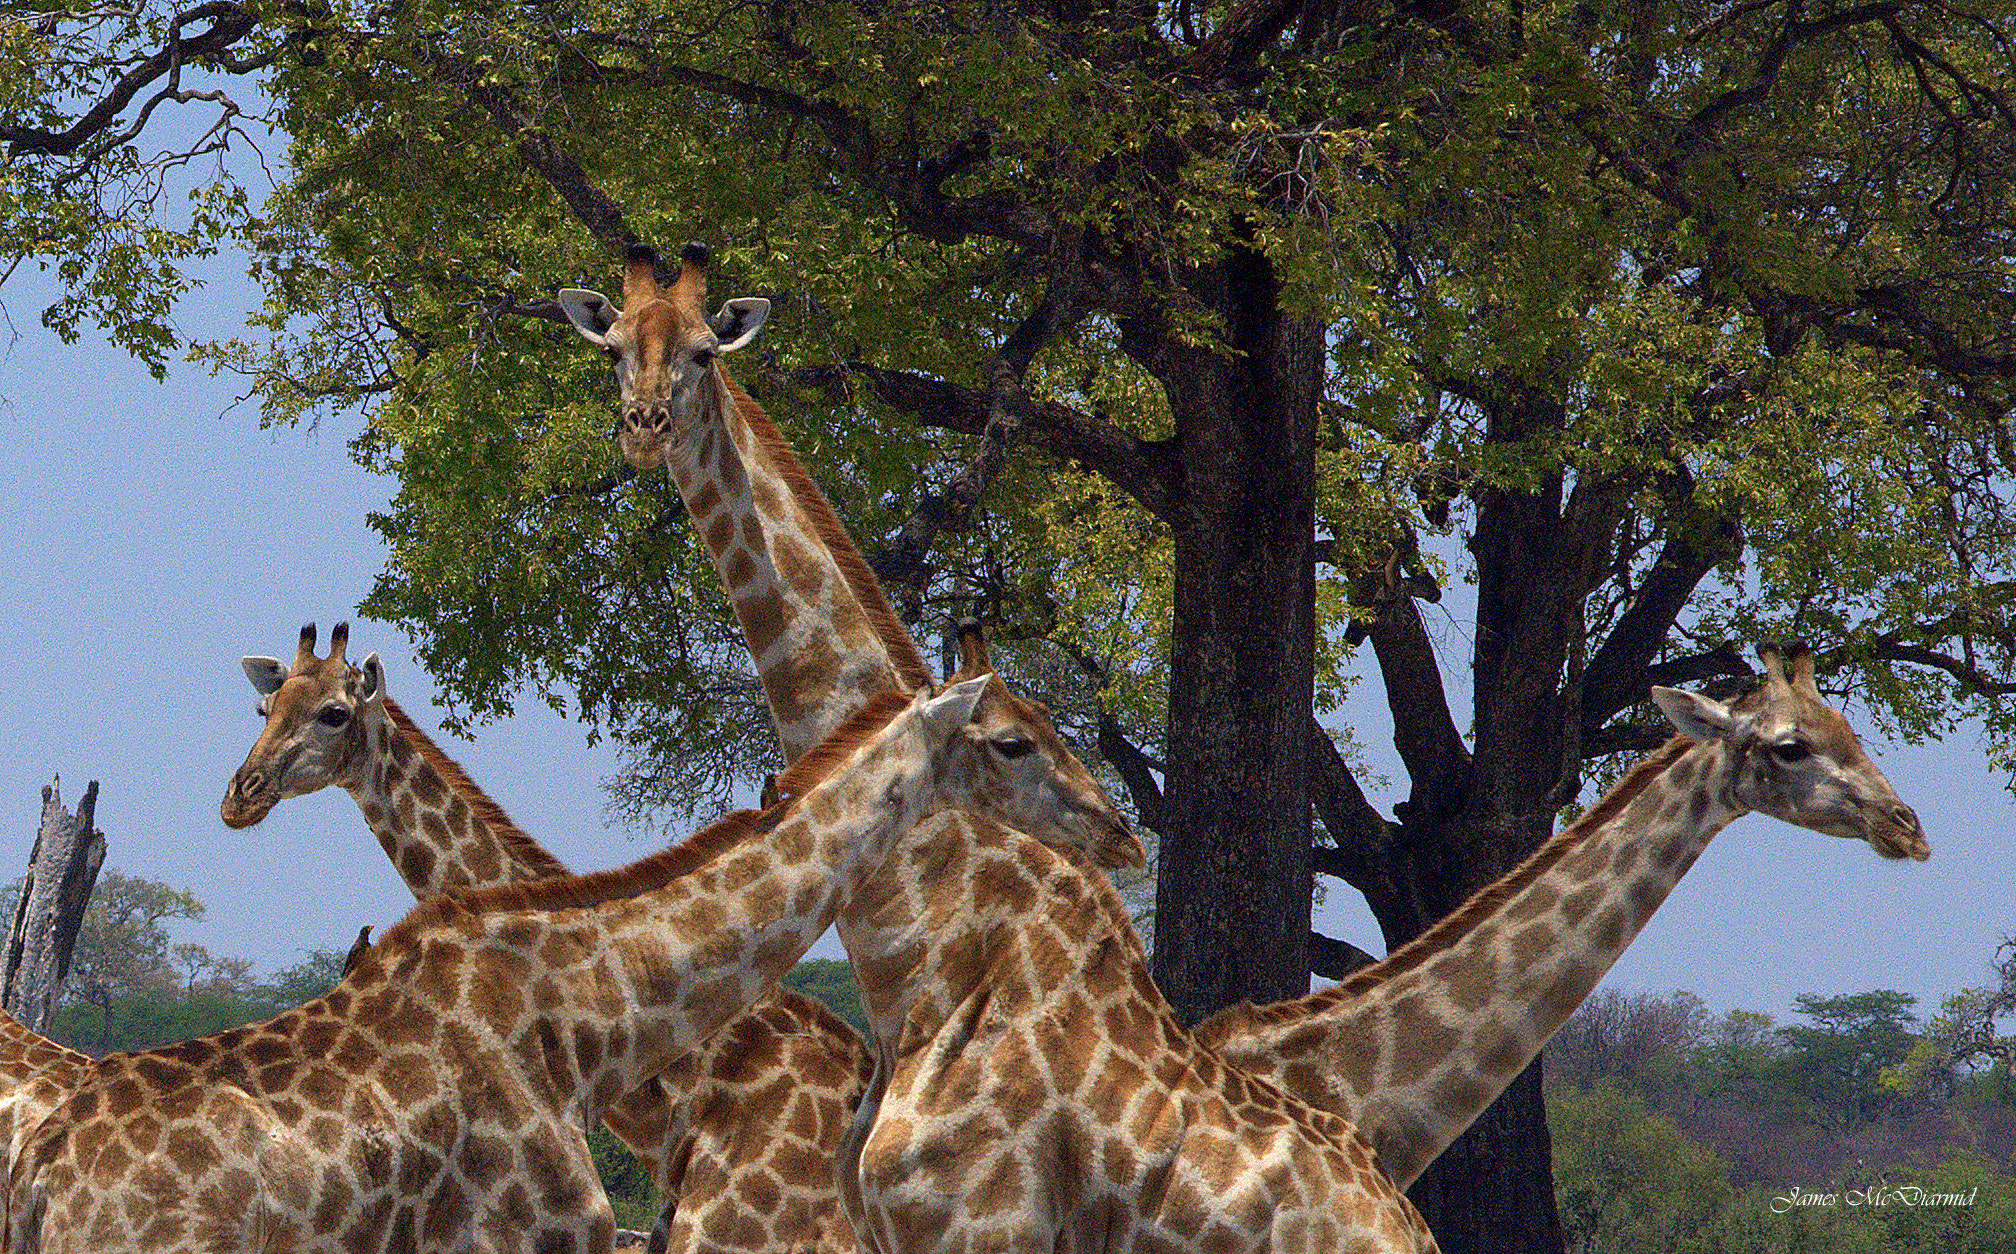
x,y
1669,324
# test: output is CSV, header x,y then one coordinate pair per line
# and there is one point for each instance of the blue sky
x,y
152,535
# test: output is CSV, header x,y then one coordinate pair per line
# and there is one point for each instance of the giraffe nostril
x,y
1905,817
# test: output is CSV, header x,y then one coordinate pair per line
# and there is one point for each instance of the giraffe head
x,y
981,749
315,725
663,346
1017,728
1796,757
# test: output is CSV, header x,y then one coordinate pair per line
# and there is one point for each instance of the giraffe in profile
x,y
437,1099
1413,1048
739,1135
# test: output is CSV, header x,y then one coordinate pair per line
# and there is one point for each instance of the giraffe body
x,y
1040,1094
1412,1049
437,1099
739,1136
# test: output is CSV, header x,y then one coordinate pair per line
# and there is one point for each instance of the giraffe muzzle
x,y
250,798
645,434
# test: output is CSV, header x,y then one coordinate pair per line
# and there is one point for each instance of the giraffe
x,y
739,1135
1035,1092
818,625
1412,1049
35,1073
436,1100
662,365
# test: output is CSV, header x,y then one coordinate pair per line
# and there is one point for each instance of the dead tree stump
x,y
61,874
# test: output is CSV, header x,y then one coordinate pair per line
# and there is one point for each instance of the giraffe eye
x,y
1789,751
333,716
1013,746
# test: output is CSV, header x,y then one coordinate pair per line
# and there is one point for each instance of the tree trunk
x,y
1492,1191
1537,552
1232,900
61,874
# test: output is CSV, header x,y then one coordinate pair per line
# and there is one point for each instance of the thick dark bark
x,y
1232,900
1492,1192
62,871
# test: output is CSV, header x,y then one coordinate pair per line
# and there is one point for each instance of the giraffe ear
x,y
590,312
952,709
266,674
1703,718
738,322
374,678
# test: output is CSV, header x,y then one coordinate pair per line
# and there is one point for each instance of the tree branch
x,y
1334,959
229,23
901,560
1136,770
1142,468
603,217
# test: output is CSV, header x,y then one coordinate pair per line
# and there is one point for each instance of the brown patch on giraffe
x,y
911,672
1527,946
1501,1049
1608,932
1470,983
1560,1001
416,863
762,623
1426,1040
1576,906
738,570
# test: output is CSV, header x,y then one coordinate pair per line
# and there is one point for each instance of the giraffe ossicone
x,y
1316,1051
436,1099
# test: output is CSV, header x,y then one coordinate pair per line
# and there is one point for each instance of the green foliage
x,y
632,1195
1835,1066
162,1010
318,971
1627,1179
1682,1102
1740,282
831,981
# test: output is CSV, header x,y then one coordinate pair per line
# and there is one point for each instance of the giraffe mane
x,y
656,870
530,853
854,731
1481,904
592,888
861,581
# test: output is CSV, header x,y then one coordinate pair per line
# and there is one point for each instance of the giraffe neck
x,y
442,832
924,932
818,625
1415,1047
633,968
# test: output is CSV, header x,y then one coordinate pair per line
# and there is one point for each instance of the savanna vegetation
x,y
1195,345
1676,1129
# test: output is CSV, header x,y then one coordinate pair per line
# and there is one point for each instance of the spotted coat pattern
x,y
436,1100
1037,1093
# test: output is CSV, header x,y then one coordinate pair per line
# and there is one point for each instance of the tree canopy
x,y
1195,343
